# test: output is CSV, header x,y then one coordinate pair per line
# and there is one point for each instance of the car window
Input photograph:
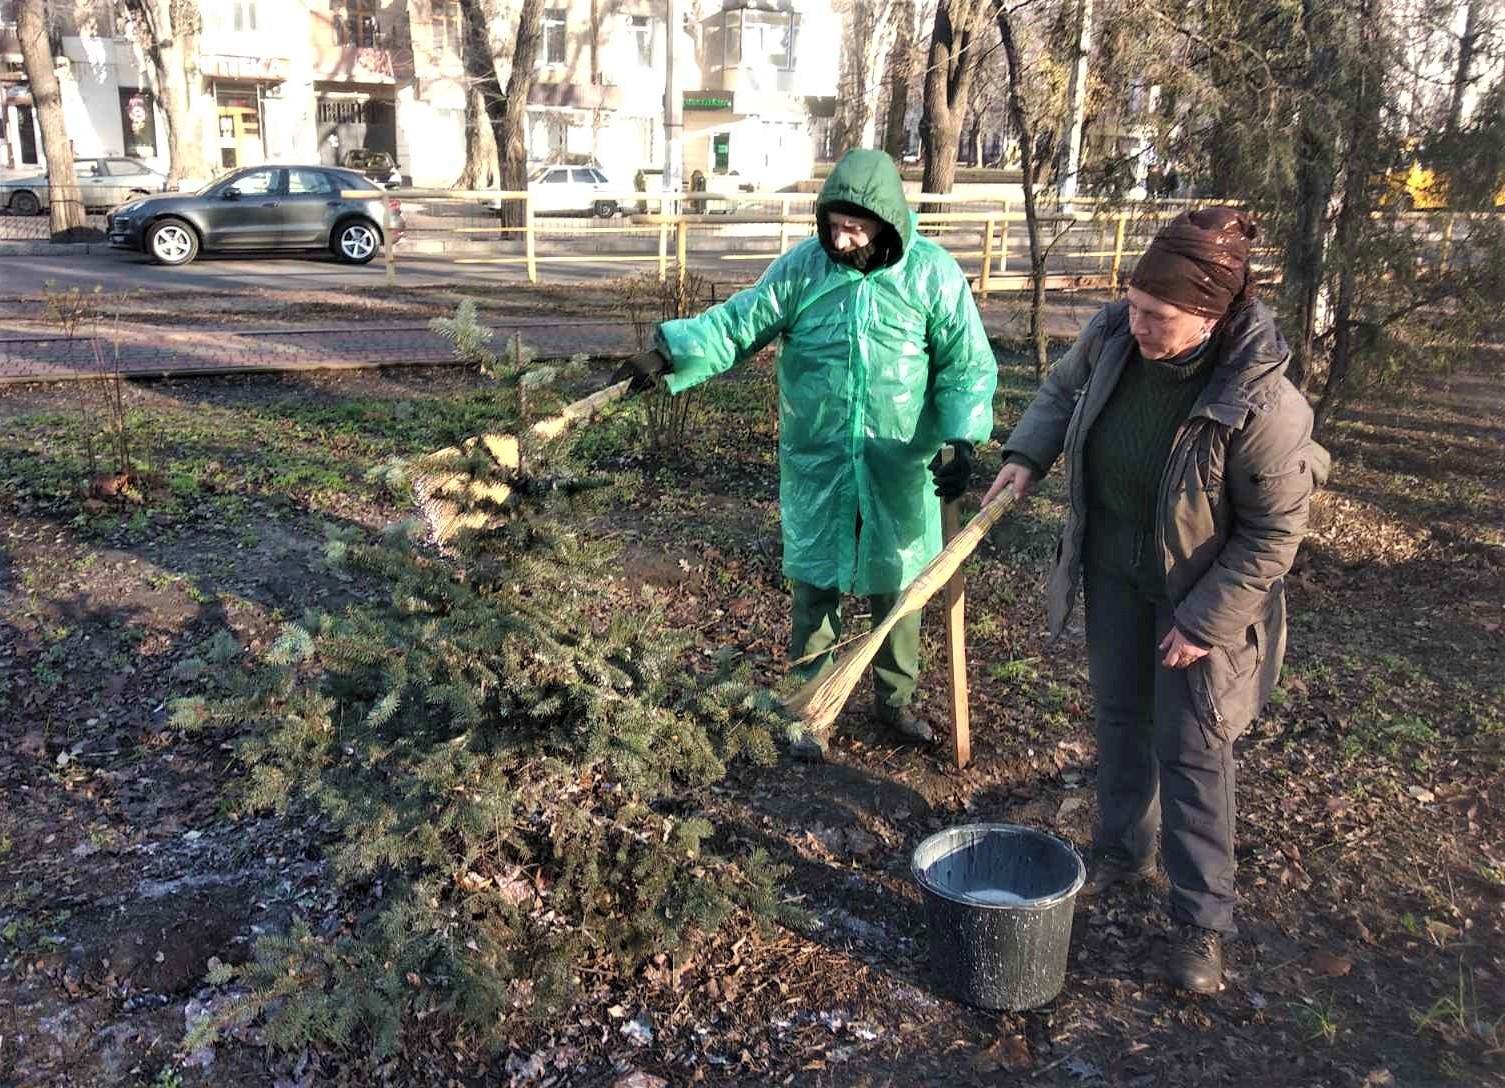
x,y
582,177
600,177
557,177
88,168
126,168
378,160
345,181
305,182
256,183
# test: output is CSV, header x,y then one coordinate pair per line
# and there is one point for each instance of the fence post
x,y
388,246
680,246
663,242
1003,242
784,228
1447,241
530,249
987,257
1118,251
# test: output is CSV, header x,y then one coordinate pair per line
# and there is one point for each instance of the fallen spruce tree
x,y
508,776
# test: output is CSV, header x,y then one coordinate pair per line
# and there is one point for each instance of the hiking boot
x,y
809,747
901,722
1110,865
1195,960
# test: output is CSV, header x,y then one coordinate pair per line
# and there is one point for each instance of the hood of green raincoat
x,y
870,180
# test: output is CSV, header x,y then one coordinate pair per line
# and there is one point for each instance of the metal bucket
x,y
998,906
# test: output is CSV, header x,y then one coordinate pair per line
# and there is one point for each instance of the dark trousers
x,y
816,628
1156,769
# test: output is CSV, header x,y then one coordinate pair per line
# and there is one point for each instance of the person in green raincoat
x,y
883,360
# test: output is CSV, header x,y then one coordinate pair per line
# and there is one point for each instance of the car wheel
x,y
172,242
24,203
604,209
356,242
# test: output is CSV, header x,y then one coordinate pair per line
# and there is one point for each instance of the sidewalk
x,y
153,351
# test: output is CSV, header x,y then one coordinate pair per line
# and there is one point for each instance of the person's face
x,y
1164,331
851,231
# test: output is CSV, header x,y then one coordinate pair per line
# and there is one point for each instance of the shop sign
x,y
707,100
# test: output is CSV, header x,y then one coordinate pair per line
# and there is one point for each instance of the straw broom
x,y
445,483
817,704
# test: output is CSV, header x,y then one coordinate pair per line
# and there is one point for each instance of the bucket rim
x,y
1042,903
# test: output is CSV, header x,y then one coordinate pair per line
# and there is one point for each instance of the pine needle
x,y
818,703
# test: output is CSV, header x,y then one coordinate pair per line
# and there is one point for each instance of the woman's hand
x,y
1180,651
1016,477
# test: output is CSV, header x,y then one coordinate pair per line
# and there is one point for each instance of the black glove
x,y
951,478
644,369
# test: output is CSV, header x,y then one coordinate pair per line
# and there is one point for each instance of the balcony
x,y
359,48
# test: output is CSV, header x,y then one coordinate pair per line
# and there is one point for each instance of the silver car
x,y
104,183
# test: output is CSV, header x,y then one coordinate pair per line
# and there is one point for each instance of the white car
x,y
570,190
103,183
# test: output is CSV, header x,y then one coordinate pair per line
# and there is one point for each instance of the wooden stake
x,y
956,642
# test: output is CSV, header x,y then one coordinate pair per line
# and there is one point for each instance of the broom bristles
x,y
818,703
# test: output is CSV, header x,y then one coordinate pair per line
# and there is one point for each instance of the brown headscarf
x,y
1200,261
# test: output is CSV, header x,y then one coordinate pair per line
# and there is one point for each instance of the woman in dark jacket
x,y
1189,466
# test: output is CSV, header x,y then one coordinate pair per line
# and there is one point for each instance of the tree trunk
x,y
856,100
1363,160
900,68
1021,123
1076,112
1464,73
1306,245
948,79
67,205
508,122
480,69
168,33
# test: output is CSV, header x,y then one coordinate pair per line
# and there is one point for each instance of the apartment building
x,y
307,80
758,76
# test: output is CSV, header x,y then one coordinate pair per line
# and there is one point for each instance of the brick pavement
x,y
154,351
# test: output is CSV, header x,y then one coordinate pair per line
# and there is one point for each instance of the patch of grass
x,y
1458,1015
1319,1020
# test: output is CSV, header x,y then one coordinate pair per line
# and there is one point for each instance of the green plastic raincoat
x,y
875,372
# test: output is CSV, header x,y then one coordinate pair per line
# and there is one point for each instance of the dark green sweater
x,y
1127,449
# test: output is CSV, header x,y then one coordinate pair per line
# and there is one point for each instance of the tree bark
x,y
168,33
508,121
948,80
65,201
481,158
900,69
1021,123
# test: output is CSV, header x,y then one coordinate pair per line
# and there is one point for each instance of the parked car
x,y
571,190
103,183
376,166
264,208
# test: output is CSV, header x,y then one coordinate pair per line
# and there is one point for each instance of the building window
x,y
354,23
640,29
553,42
448,27
243,15
755,37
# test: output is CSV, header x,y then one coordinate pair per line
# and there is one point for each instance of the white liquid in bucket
x,y
996,897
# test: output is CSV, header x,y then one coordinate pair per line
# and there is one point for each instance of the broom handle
x,y
553,427
956,641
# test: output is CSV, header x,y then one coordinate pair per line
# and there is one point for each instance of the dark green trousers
x,y
817,627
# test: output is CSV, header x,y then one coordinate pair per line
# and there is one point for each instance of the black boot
x,y
903,724
1195,960
1110,865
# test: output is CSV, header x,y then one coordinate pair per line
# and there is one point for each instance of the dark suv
x,y
263,207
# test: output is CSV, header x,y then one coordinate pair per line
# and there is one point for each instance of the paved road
x,y
29,276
